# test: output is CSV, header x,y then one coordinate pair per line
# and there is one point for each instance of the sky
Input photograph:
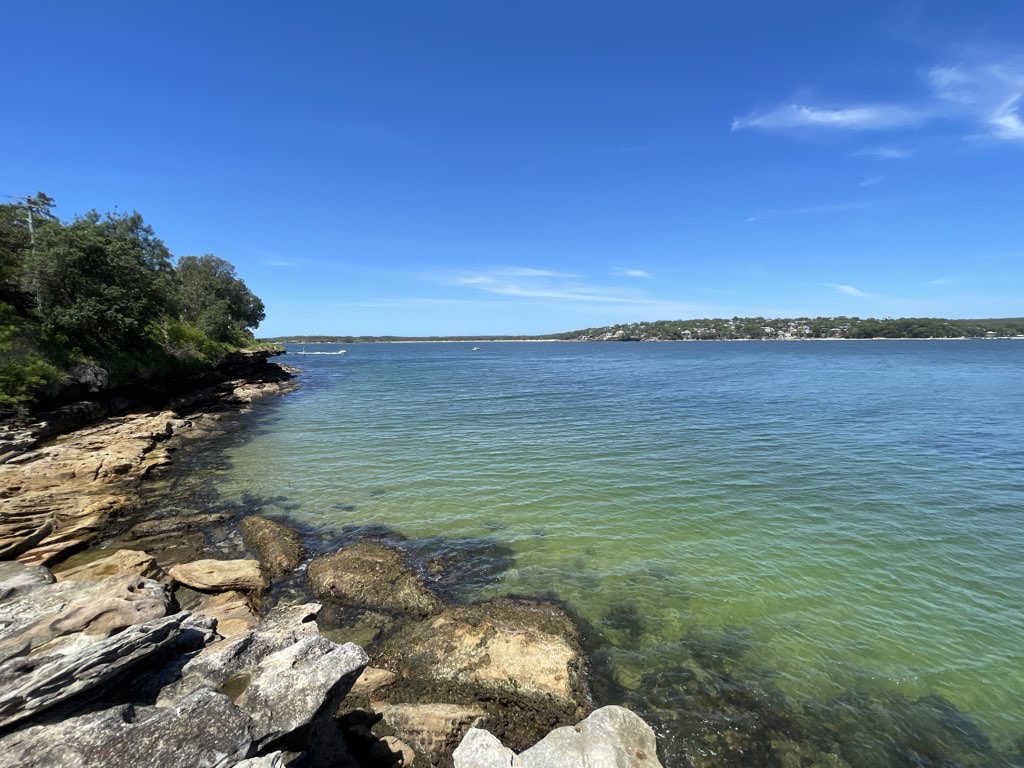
x,y
479,167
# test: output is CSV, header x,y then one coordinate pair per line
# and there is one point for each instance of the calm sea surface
x,y
810,542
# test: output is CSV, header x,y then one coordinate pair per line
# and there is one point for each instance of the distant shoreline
x,y
645,341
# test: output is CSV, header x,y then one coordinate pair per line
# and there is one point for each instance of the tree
x,y
215,300
100,282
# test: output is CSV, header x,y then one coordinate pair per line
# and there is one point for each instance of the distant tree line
x,y
738,328
103,293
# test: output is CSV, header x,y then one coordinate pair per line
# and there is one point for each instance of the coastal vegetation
x,y
736,329
99,301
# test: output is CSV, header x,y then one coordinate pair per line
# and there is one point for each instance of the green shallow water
x,y
836,526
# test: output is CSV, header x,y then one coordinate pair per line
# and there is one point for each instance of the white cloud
x,y
940,281
885,153
530,272
777,213
873,117
870,182
632,272
850,290
989,93
279,263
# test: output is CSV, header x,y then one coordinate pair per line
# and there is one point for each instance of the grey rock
x,y
291,687
32,684
282,673
273,760
230,663
94,608
205,730
482,749
17,578
611,737
277,546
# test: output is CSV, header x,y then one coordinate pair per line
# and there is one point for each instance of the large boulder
x,y
232,610
278,547
505,646
372,575
611,737
204,730
220,575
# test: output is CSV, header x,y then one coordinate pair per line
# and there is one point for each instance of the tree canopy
x,y
104,290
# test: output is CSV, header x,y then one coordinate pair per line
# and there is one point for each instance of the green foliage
x,y
216,301
102,290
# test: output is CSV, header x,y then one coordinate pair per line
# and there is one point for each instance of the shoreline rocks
x,y
152,652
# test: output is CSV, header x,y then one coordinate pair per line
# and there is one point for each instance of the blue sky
x,y
532,167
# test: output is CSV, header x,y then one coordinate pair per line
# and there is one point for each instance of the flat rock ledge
x,y
59,488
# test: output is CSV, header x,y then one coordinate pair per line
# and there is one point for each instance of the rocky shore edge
x,y
153,648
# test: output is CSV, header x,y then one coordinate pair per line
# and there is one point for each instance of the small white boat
x,y
339,352
476,349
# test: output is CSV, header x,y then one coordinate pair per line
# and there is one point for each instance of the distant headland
x,y
736,329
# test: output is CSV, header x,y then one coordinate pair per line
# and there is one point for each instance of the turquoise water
x,y
829,534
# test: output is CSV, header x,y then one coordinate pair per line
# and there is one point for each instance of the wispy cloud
x,y
980,91
990,93
776,213
849,290
870,117
632,272
530,272
940,281
280,263
870,182
885,153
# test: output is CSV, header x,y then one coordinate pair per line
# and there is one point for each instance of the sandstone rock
x,y
507,646
611,737
96,608
220,575
64,497
371,680
432,730
481,749
205,729
232,611
177,523
123,561
391,751
278,547
373,575
32,684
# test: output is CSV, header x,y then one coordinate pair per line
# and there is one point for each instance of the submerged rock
x,y
278,547
373,575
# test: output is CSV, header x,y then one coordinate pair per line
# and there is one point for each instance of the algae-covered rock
x,y
372,575
278,547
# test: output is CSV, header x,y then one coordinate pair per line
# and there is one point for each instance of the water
x,y
826,533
